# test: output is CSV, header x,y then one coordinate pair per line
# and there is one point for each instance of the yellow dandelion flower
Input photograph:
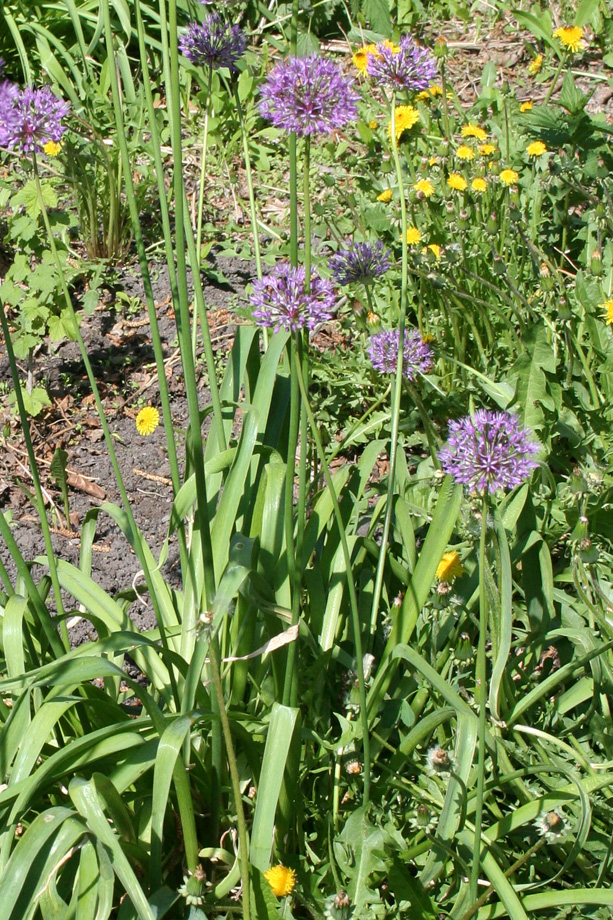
x,y
413,236
435,90
373,319
373,123
607,307
432,161
147,420
526,106
360,58
457,182
281,879
464,153
471,130
535,65
509,176
536,149
425,187
486,150
385,196
434,248
424,96
571,37
405,116
52,148
450,566
478,184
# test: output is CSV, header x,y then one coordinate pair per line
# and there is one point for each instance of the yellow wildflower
x,y
607,306
435,249
52,148
571,37
405,116
478,184
525,106
509,176
373,123
425,187
536,149
486,150
457,182
281,879
424,96
464,153
360,58
385,196
535,65
471,130
413,236
450,566
147,420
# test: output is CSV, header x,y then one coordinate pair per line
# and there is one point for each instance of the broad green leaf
x,y
87,802
437,538
278,740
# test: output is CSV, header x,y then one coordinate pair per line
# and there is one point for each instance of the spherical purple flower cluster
x,y
359,263
402,67
29,118
489,451
383,353
308,96
214,43
280,299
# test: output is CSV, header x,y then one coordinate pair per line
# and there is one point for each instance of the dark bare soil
x,y
120,349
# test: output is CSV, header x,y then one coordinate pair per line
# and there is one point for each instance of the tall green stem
x,y
249,176
203,159
243,838
353,600
481,699
397,389
183,317
40,502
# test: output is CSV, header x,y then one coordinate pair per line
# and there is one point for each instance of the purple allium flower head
x,y
214,43
383,353
359,263
30,117
489,451
281,301
8,92
308,96
404,66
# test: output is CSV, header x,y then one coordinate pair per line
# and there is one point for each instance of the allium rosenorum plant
x,y
312,737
